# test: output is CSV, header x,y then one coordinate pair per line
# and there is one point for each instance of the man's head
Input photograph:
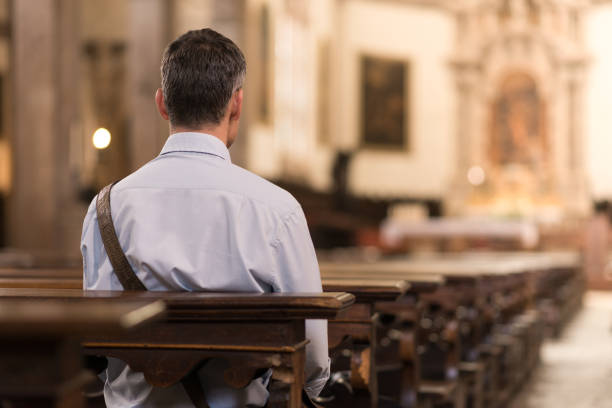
x,y
202,75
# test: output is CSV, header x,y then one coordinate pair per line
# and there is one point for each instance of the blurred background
x,y
400,125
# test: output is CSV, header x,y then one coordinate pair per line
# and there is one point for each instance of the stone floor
x,y
576,370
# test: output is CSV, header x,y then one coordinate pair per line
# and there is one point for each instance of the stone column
x,y
229,18
149,22
190,15
465,73
70,209
576,187
44,212
465,80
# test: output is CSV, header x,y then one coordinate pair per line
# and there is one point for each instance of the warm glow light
x,y
101,138
476,175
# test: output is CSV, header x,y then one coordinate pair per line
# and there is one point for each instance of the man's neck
x,y
219,131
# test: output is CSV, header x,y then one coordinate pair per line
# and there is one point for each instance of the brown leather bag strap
x,y
129,280
117,258
307,402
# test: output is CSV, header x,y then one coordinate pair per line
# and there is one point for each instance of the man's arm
x,y
96,266
88,244
297,270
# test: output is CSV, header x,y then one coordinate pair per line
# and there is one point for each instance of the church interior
x,y
452,159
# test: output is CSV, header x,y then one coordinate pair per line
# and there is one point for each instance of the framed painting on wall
x,y
384,102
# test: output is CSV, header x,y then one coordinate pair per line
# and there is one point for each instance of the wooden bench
x,y
360,321
40,354
469,305
499,300
38,259
396,357
50,278
353,340
557,284
495,299
251,331
429,367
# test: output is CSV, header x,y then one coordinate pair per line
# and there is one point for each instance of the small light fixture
x,y
476,175
101,138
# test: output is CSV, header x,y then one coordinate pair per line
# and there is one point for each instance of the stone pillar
x,y
32,206
149,23
575,76
466,78
576,190
70,209
229,18
38,181
190,15
44,212
466,81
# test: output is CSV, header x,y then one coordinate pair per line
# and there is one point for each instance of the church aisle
x,y
576,370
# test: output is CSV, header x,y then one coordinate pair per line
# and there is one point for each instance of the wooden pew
x,y
360,322
40,354
43,277
558,285
492,295
251,331
460,303
506,295
498,286
428,371
397,321
430,389
38,259
54,278
42,272
353,340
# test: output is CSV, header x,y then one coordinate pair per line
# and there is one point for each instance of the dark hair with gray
x,y
200,72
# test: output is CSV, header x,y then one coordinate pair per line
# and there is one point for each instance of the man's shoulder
x,y
264,192
230,179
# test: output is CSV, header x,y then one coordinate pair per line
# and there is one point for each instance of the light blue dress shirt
x,y
190,220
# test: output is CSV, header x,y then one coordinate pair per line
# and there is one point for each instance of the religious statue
x,y
517,131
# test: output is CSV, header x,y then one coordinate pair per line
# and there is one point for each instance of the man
x,y
190,220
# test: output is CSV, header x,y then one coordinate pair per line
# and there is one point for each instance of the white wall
x,y
598,27
289,147
425,37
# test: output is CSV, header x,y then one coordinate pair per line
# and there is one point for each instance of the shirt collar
x,y
197,143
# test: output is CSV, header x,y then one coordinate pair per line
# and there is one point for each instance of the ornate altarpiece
x,y
519,70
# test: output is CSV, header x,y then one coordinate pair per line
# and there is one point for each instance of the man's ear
x,y
161,104
236,105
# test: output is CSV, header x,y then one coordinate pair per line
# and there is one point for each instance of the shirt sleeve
x,y
88,244
298,271
97,271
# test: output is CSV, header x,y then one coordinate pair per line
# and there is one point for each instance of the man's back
x,y
190,220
